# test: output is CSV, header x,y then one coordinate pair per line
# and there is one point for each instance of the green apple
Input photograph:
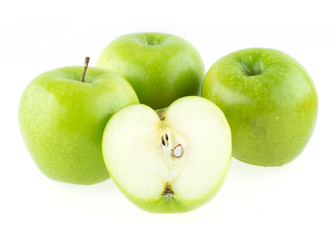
x,y
269,100
62,120
160,67
173,161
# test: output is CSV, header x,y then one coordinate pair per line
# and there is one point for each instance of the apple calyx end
x,y
177,151
168,192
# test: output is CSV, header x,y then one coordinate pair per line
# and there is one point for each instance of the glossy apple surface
x,y
174,161
62,121
160,67
269,100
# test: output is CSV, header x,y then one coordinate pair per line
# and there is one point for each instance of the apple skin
x,y
160,67
270,103
62,121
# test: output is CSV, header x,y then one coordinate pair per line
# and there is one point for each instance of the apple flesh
x,y
160,67
173,161
62,121
269,100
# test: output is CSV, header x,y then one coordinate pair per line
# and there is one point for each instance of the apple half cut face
x,y
172,160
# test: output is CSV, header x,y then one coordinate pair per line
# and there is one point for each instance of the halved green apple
x,y
170,160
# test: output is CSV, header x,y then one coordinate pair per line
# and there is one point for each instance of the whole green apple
x,y
269,100
160,67
173,160
62,121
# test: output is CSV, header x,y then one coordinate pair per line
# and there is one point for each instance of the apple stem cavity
x,y
178,151
86,64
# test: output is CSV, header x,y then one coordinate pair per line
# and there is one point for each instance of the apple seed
x,y
164,140
178,151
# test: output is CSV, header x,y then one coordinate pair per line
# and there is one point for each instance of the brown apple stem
x,y
86,64
161,113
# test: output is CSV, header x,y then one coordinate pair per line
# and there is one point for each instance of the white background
x,y
296,201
